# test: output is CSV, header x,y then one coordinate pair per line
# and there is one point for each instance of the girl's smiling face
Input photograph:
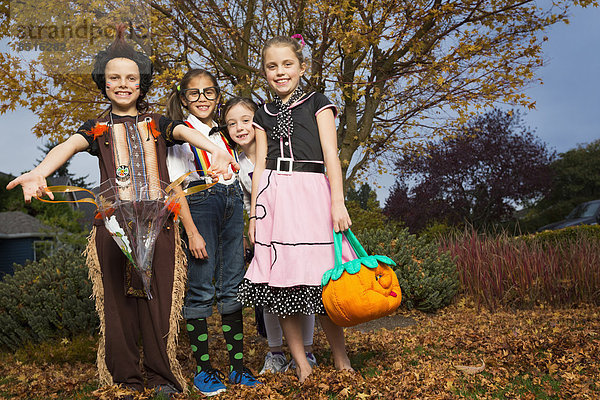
x,y
283,70
239,124
199,88
122,77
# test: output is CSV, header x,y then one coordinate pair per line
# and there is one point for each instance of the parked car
x,y
587,213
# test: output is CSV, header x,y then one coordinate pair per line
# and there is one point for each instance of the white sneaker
x,y
273,363
312,361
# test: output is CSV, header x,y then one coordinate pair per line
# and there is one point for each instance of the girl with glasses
x,y
214,224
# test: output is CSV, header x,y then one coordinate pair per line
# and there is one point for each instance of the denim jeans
x,y
218,215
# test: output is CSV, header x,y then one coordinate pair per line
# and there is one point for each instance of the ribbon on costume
x,y
171,201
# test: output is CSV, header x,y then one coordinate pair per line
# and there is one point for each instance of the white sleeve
x,y
176,161
246,199
246,167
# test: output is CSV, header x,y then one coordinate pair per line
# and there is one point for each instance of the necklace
x,y
122,172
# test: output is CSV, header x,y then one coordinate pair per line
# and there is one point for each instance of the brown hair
x,y
234,101
175,104
121,49
283,41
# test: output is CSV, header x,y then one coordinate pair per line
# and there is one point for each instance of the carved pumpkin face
x,y
384,279
368,294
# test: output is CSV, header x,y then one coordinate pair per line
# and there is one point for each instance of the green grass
x,y
86,392
59,351
5,381
360,363
546,388
370,372
525,384
358,360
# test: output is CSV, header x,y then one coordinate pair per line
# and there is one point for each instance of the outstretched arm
x,y
33,182
220,159
327,135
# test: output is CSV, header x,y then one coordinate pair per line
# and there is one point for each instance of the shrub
x,y
437,230
427,276
364,219
46,299
558,268
564,236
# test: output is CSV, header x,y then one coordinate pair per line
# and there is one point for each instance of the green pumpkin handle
x,y
352,266
337,245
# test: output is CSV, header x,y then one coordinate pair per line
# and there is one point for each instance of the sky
x,y
566,113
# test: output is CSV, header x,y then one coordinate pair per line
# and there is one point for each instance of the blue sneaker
x,y
244,377
210,382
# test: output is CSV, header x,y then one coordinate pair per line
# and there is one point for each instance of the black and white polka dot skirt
x,y
282,301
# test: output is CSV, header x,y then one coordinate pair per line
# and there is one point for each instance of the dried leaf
x,y
400,363
471,370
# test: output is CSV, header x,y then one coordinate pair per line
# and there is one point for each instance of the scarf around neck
x,y
285,127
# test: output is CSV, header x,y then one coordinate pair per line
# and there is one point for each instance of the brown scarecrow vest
x,y
136,158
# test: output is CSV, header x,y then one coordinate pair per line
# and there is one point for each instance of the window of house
x,y
42,249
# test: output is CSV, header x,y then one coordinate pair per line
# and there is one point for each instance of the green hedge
x,y
428,277
46,299
564,235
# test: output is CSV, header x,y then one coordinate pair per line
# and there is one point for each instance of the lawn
x,y
543,353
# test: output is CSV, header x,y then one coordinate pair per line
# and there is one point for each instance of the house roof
x,y
16,224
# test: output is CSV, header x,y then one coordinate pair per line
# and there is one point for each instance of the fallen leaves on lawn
x,y
539,353
469,369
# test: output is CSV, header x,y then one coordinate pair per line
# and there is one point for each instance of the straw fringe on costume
x,y
177,296
95,275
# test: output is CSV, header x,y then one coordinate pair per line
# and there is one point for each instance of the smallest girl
x,y
238,114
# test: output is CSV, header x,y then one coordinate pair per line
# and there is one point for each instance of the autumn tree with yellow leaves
x,y
400,71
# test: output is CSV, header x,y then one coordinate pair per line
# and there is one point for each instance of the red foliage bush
x,y
500,270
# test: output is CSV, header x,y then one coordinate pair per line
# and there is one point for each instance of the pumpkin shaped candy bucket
x,y
359,290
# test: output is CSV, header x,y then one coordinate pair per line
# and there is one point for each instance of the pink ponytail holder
x,y
299,38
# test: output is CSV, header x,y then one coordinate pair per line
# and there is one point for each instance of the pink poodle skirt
x,y
294,244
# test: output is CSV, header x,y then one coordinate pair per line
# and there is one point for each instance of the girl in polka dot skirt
x,y
295,207
238,114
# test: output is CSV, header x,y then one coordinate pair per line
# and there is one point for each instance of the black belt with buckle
x,y
287,165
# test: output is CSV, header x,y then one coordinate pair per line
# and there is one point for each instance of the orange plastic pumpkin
x,y
362,289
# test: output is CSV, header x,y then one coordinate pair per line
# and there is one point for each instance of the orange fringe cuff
x,y
98,130
152,127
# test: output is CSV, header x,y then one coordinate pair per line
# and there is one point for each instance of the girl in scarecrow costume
x,y
131,146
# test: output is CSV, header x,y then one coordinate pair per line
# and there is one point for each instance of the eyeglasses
x,y
210,93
